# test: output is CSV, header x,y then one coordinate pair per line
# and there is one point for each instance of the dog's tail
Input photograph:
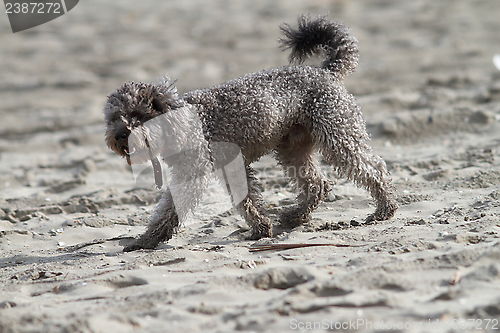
x,y
320,34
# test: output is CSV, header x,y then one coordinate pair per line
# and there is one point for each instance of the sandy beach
x,y
430,94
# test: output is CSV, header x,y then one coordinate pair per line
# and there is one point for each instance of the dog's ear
x,y
152,96
168,97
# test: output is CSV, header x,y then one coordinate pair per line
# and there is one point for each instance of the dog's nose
x,y
121,135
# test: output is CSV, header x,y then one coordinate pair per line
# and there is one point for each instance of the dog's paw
x,y
140,245
264,230
386,212
293,217
132,247
254,236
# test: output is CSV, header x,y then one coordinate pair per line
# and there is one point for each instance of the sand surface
x,y
431,97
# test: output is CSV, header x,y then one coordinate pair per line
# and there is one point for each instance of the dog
x,y
292,111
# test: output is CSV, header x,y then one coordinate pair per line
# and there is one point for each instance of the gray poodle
x,y
292,111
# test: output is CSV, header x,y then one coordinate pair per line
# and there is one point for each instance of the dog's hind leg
x,y
295,154
343,145
251,209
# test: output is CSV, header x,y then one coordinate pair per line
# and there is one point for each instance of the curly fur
x,y
292,111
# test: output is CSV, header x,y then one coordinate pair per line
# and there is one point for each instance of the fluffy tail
x,y
320,34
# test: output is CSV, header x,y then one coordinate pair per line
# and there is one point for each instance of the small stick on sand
x,y
93,242
270,247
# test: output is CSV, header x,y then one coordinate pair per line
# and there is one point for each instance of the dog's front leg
x,y
161,226
191,174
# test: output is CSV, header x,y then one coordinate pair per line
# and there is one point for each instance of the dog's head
x,y
131,106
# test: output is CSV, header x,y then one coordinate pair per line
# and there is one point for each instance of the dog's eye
x,y
135,114
156,105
